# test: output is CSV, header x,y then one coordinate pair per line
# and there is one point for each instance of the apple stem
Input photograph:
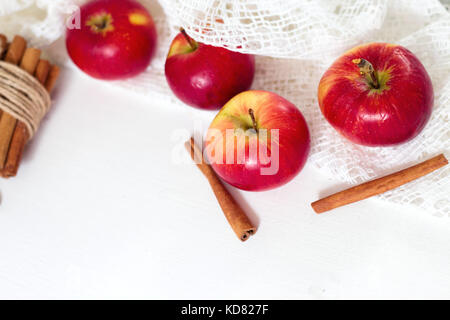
x,y
252,115
366,69
188,39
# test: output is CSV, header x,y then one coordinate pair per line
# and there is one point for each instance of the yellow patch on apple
x,y
138,19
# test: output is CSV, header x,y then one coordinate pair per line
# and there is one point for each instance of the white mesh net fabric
x,y
296,41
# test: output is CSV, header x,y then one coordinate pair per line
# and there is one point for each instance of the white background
x,y
100,210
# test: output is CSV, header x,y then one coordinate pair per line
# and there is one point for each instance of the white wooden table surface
x,y
100,210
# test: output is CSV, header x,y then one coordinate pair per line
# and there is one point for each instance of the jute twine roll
x,y
22,96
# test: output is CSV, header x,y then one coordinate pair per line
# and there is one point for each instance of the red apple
x,y
258,141
205,76
377,94
117,39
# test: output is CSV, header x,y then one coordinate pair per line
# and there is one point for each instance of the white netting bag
x,y
297,41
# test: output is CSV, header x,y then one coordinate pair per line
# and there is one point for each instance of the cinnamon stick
x,y
47,76
52,77
7,126
30,60
235,215
8,122
16,50
42,70
21,135
380,185
18,142
3,45
3,48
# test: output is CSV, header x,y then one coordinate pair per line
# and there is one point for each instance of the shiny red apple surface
x,y
205,76
116,39
377,94
258,141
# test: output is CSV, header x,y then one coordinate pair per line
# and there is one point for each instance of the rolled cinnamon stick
x,y
21,135
3,45
16,50
3,48
7,126
52,77
42,70
14,55
236,217
18,142
30,60
380,185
